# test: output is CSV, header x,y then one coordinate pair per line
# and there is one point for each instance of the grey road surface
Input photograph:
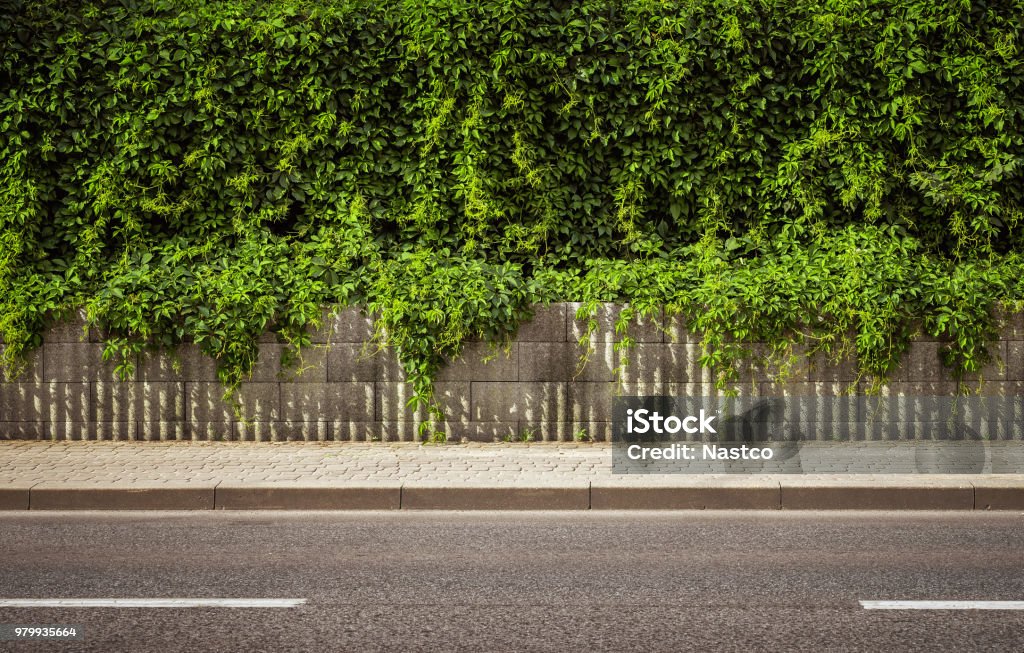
x,y
656,581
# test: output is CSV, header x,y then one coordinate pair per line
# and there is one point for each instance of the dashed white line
x,y
151,603
942,605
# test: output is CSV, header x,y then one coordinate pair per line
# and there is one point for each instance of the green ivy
x,y
837,175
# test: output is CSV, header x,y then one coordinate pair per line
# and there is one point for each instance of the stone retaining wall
x,y
345,390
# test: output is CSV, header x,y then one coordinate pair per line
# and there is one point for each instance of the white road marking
x,y
942,605
151,603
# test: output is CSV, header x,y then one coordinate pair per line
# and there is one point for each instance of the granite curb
x,y
734,493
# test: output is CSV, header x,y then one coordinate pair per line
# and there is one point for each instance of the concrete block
x,y
921,362
315,402
309,496
480,361
1013,327
254,401
567,496
580,431
308,365
549,324
869,494
660,363
372,431
919,388
187,363
349,325
640,329
216,431
811,389
141,496
71,329
482,431
826,368
153,402
29,371
76,363
14,496
119,430
709,390
999,494
765,366
45,402
393,400
280,431
641,492
506,402
676,331
563,361
591,402
23,430
1014,360
351,362
161,431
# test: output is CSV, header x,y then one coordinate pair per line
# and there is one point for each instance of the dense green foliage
x,y
790,171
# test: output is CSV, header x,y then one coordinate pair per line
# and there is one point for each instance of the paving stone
x,y
255,401
506,402
562,361
640,330
350,362
549,324
45,402
393,400
131,401
314,402
480,361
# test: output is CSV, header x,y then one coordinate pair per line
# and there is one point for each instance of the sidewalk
x,y
45,475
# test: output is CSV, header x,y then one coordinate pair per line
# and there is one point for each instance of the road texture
x,y
524,581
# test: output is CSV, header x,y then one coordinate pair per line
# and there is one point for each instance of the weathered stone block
x,y
660,363
482,362
506,402
349,325
1013,327
155,401
23,431
254,401
45,402
640,330
76,363
709,390
187,363
327,402
210,431
676,331
562,361
393,399
72,329
350,362
921,362
282,431
163,431
308,366
549,324
579,431
591,402
31,372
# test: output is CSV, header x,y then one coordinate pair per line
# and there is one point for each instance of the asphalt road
x,y
438,581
